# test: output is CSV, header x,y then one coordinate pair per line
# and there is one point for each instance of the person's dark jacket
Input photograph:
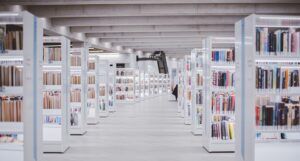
x,y
175,91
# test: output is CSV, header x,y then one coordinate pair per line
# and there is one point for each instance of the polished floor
x,y
147,131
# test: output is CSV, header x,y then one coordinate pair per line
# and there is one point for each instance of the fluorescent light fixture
x,y
279,17
6,14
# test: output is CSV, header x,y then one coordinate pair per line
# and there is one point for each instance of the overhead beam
x,y
161,10
161,20
151,28
152,39
81,2
158,34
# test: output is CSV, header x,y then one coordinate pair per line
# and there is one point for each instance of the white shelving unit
x,y
146,85
268,114
93,90
137,85
187,85
155,84
111,88
151,85
78,87
125,85
142,87
218,96
56,94
197,64
180,81
103,88
23,132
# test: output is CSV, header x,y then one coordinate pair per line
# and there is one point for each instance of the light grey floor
x,y
147,131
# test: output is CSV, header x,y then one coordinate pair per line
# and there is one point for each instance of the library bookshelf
x,y
103,68
93,90
187,96
146,85
137,85
55,93
111,88
21,135
197,81
142,82
125,85
78,87
219,94
180,74
267,63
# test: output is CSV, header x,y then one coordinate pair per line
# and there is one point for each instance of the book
x,y
51,78
277,42
222,128
52,100
278,115
11,108
223,56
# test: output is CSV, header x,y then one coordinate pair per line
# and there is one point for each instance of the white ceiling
x,y
174,26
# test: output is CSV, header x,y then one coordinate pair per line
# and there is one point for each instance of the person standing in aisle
x,y
175,91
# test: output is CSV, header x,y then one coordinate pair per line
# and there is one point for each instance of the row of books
x,y
223,103
92,65
50,119
102,105
124,97
124,73
52,54
75,60
199,115
52,100
222,78
11,37
127,88
124,80
11,138
223,56
277,78
52,78
283,114
277,42
11,75
91,94
222,129
199,97
102,91
75,95
199,79
11,108
91,79
75,116
75,79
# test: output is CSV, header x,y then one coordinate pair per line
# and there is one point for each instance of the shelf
x,y
295,91
11,146
12,90
52,87
271,129
222,89
11,127
55,112
75,104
